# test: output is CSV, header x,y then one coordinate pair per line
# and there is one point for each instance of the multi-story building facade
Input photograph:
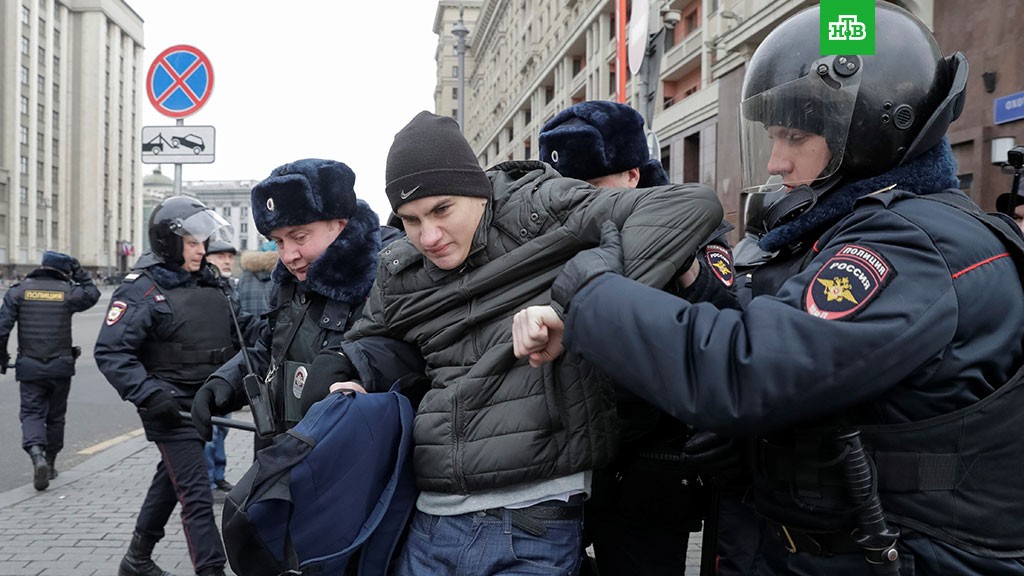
x,y
528,59
69,172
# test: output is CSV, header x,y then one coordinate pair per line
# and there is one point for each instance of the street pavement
x,y
81,524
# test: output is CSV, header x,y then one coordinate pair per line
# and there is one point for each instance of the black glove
x,y
5,359
328,367
712,455
216,396
160,411
589,264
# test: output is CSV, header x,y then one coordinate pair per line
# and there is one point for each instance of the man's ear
x,y
634,177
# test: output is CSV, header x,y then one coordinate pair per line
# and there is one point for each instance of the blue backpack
x,y
339,483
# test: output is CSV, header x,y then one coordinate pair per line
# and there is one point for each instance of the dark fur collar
x,y
168,276
934,170
345,271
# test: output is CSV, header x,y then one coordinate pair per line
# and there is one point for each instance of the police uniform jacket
x,y
309,316
42,306
901,319
490,420
167,329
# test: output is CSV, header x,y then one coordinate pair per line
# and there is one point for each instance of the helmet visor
x,y
796,131
203,225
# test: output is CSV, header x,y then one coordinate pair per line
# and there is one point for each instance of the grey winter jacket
x,y
491,420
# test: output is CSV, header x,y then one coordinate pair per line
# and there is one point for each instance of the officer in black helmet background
x,y
169,326
42,306
875,363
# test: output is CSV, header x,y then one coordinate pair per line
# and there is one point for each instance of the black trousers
x,y
44,404
181,478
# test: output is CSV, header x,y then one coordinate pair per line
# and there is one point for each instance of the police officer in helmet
x,y
168,327
42,305
874,363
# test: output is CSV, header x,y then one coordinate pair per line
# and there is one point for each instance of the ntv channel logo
x,y
847,27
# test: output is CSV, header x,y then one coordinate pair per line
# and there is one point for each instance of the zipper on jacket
x,y
457,446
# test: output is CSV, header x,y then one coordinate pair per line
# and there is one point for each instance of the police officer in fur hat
x,y
650,498
169,326
327,244
42,305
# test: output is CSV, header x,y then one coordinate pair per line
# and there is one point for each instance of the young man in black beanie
x,y
654,494
503,453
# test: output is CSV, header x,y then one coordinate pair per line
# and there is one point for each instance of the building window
x,y
577,65
23,168
23,135
23,225
549,94
24,15
42,84
245,212
24,75
227,211
3,223
24,105
23,194
243,228
455,71
24,45
455,113
455,93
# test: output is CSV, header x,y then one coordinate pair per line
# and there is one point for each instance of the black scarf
x,y
932,171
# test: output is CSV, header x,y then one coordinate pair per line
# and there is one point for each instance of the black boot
x,y
51,461
41,471
137,562
211,571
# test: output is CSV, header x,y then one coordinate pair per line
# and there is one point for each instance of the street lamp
x,y
460,32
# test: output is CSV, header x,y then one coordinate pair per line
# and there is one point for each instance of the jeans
x,y
478,543
216,457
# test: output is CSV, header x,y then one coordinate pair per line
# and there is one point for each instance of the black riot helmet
x,y
178,217
875,112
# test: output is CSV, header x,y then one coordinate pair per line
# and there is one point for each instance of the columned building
x,y
69,173
528,59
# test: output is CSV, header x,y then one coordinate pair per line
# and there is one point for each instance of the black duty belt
x,y
531,519
815,543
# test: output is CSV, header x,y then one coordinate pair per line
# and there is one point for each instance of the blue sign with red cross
x,y
180,81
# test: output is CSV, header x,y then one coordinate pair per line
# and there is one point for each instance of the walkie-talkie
x,y
259,403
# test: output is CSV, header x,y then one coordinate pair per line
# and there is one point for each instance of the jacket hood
x,y
259,261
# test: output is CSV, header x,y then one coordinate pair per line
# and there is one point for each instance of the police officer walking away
x,y
42,305
168,327
879,363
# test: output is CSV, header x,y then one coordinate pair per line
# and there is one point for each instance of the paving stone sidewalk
x,y
81,525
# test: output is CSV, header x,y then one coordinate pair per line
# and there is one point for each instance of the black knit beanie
x,y
430,157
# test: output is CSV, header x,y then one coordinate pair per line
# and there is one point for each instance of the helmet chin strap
x,y
795,202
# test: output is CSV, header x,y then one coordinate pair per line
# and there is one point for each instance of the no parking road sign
x,y
180,81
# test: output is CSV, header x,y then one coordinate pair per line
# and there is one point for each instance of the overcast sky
x,y
298,79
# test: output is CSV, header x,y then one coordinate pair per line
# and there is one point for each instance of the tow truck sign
x,y
178,144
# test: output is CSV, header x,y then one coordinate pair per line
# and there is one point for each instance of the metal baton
x,y
873,533
221,421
